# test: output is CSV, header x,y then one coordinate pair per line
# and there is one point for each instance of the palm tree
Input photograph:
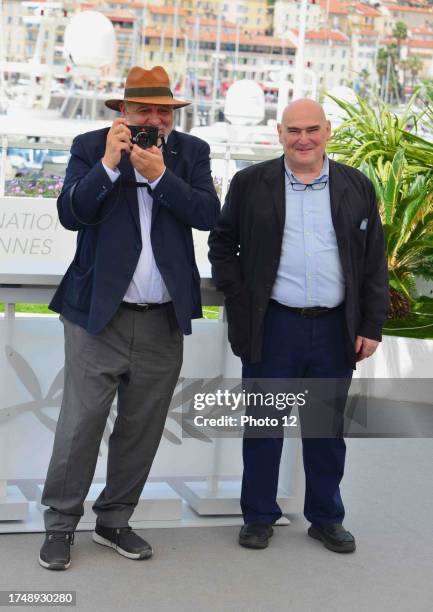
x,y
381,66
414,65
364,77
372,131
400,33
386,66
400,165
406,208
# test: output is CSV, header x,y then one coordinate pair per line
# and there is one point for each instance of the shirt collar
x,y
324,173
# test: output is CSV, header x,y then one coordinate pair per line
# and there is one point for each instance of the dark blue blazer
x,y
109,241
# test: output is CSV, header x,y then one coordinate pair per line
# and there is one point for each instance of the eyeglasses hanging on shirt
x,y
313,186
317,186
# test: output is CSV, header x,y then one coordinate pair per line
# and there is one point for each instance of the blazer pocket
x,y
79,289
238,318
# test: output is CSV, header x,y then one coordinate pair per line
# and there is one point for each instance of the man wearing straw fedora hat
x,y
125,301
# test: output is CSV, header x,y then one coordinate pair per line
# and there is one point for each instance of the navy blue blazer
x,y
109,241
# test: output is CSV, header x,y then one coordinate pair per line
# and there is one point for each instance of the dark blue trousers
x,y
297,347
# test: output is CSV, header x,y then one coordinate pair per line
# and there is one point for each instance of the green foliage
x,y
373,132
400,165
32,308
400,31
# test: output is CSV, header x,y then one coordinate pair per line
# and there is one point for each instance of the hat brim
x,y
161,101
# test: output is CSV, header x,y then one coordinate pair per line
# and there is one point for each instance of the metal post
x,y
134,42
10,312
216,70
196,62
299,63
174,42
235,76
161,46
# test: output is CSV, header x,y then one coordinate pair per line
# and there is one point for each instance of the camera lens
x,y
145,136
143,140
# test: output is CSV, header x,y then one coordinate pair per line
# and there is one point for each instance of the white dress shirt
x,y
147,285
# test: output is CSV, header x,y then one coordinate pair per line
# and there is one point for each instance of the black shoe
x,y
124,541
56,550
255,535
334,537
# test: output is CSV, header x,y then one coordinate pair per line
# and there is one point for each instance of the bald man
x,y
299,253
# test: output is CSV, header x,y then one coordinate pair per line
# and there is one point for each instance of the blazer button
x,y
138,247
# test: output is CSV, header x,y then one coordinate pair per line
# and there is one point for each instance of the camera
x,y
145,136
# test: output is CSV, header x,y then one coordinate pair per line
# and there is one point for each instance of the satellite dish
x,y
90,40
245,103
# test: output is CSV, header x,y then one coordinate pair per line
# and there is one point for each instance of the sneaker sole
x,y
54,566
146,554
345,548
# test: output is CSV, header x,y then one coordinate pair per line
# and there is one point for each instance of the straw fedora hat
x,y
149,87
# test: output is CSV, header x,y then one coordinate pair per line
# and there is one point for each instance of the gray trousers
x,y
139,356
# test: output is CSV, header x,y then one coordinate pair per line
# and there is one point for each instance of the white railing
x,y
230,154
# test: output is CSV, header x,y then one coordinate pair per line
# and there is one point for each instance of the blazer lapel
x,y
171,154
171,151
337,193
274,178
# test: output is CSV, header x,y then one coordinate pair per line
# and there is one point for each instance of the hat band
x,y
147,92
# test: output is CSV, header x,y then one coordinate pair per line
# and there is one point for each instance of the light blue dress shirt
x,y
309,273
147,285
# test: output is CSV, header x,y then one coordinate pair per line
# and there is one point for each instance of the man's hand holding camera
x,y
148,162
118,140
